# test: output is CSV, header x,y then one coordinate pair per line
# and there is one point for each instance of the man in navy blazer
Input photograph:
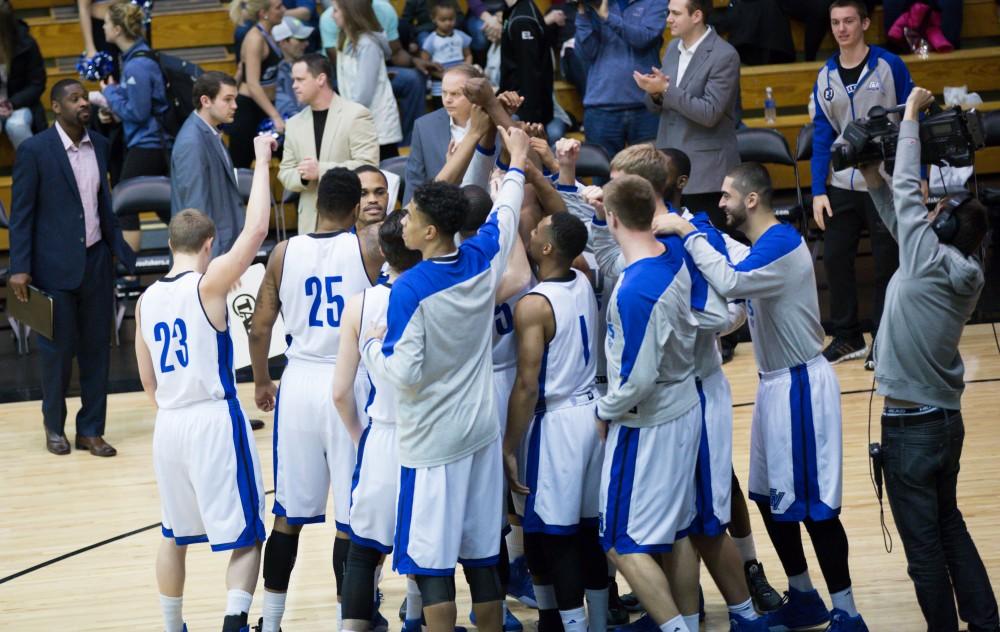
x,y
63,235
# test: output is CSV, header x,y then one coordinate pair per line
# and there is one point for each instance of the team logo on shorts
x,y
776,498
243,305
828,94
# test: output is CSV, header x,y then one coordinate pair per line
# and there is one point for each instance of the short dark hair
x,y
679,159
705,6
443,4
444,204
317,65
973,223
861,7
569,235
208,85
338,194
189,230
62,86
632,200
390,239
370,169
752,177
480,205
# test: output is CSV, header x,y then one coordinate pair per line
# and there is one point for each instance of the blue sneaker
x,y
412,625
738,623
803,610
840,621
644,623
520,587
510,622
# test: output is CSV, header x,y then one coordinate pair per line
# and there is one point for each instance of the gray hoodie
x,y
929,298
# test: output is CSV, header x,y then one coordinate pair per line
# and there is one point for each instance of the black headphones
x,y
945,225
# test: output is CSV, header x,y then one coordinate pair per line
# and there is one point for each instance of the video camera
x,y
949,136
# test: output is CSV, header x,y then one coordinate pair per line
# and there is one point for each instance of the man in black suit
x,y
63,235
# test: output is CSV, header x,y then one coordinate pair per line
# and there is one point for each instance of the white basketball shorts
x,y
795,442
647,487
714,471
375,486
312,449
564,462
208,475
450,513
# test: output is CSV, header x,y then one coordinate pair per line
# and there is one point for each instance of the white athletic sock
x,y
844,600
574,620
515,542
801,583
545,595
747,549
173,619
745,610
340,618
274,609
414,602
238,602
597,610
691,621
676,624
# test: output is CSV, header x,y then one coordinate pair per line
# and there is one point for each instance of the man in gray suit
x,y
696,95
202,176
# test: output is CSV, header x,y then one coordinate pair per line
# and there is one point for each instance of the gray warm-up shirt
x,y
929,298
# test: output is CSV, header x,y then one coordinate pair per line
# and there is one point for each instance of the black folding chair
x,y
244,182
21,331
593,162
768,146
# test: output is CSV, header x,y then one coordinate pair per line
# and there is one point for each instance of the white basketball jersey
x,y
320,272
504,340
381,404
570,360
193,361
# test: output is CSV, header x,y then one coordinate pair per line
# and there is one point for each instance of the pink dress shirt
x,y
83,161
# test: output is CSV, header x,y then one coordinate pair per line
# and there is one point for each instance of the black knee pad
x,y
484,583
593,560
279,560
358,590
341,546
435,589
503,564
537,558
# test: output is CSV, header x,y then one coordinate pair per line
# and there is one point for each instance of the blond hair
x,y
189,230
647,162
242,10
632,200
128,17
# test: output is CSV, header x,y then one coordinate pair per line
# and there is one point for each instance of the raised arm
x,y
348,358
265,314
460,160
918,244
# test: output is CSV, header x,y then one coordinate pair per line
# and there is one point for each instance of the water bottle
x,y
770,109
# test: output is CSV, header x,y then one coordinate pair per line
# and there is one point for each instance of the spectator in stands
x,y
139,101
951,17
695,96
305,11
815,18
361,75
407,73
293,38
331,132
415,24
484,24
445,46
91,15
202,176
22,79
526,61
63,235
257,74
433,133
855,79
759,31
616,39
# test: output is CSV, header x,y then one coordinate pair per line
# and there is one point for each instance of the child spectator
x,y
445,45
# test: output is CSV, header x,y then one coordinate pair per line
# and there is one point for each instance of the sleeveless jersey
x,y
504,340
381,405
320,272
193,361
570,359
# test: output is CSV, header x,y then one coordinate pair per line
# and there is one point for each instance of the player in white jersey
x,y
206,463
554,395
436,351
309,278
795,445
376,476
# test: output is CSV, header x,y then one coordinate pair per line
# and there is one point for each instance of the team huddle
x,y
516,371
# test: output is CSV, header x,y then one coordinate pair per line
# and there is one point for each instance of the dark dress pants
x,y
82,320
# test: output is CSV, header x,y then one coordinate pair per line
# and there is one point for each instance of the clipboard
x,y
36,313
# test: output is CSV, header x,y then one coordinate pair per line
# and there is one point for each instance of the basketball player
x,y
436,351
374,195
554,325
206,464
796,464
651,415
308,278
376,476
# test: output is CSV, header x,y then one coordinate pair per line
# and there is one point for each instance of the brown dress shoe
x,y
56,442
97,446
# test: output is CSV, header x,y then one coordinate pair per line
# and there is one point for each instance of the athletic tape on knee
x,y
358,592
435,589
279,560
484,584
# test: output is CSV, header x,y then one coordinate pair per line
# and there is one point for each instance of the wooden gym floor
x,y
54,506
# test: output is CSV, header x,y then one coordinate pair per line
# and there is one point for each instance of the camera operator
x,y
921,375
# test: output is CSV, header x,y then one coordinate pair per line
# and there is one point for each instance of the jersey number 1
x,y
162,332
314,288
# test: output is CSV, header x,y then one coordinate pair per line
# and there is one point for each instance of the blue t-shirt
x,y
384,12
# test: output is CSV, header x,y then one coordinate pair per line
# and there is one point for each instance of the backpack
x,y
179,76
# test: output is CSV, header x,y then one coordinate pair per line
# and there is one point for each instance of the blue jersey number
x,y
504,320
162,332
335,302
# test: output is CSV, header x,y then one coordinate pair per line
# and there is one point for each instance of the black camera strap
x,y
875,471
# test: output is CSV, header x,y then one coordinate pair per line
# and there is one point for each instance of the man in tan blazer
x,y
331,132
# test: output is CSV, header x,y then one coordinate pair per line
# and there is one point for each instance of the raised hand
x,y
263,146
567,151
479,92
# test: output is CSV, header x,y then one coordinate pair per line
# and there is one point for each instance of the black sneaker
x,y
617,611
870,360
765,598
402,610
631,602
841,349
257,628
